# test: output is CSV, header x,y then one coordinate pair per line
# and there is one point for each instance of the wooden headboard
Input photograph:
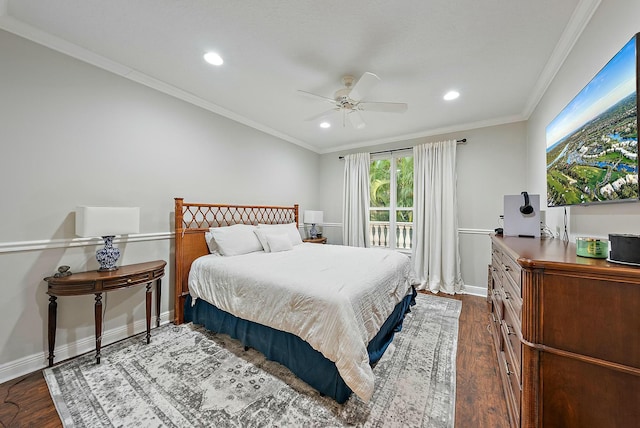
x,y
192,220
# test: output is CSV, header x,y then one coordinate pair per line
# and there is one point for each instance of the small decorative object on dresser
x,y
565,330
98,282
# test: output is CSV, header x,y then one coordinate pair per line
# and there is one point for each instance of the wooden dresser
x,y
566,330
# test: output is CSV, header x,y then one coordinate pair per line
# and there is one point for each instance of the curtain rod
x,y
464,140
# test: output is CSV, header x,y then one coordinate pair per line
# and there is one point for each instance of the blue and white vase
x,y
108,256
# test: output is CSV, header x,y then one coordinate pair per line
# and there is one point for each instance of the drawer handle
x,y
506,268
509,372
129,281
507,295
509,331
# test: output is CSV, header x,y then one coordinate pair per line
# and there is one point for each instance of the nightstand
x,y
95,282
315,240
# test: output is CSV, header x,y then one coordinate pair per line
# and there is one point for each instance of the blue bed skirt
x,y
290,350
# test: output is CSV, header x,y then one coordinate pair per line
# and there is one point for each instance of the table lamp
x,y
107,222
313,218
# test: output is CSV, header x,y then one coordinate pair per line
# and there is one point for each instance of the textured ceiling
x,y
499,54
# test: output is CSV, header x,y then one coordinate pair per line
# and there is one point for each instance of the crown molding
x,y
19,28
428,133
577,23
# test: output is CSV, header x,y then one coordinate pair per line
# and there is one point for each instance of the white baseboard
x,y
474,291
36,362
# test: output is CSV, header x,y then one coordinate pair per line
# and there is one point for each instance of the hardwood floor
x,y
480,402
26,403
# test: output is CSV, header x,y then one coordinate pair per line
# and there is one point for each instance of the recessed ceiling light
x,y
213,58
325,125
451,95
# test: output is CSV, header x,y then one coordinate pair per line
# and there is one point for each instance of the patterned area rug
x,y
188,377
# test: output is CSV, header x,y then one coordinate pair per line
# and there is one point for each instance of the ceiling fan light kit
x,y
350,101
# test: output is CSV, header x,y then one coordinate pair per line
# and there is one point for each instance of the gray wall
x,y
611,26
73,134
489,165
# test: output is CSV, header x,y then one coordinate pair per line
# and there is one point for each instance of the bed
x,y
313,308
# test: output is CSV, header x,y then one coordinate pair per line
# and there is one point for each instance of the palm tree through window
x,y
391,210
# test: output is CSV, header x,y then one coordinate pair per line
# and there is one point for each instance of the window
x,y
391,210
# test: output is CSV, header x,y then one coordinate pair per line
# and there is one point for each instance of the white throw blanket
x,y
334,297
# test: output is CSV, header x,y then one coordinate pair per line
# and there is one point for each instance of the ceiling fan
x,y
350,101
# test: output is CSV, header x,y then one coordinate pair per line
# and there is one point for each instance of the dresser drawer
x,y
511,336
513,270
128,280
511,296
498,304
494,329
494,323
496,259
496,252
511,387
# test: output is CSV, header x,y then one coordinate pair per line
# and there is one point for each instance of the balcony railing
x,y
379,234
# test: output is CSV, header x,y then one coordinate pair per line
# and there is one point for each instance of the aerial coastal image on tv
x,y
592,145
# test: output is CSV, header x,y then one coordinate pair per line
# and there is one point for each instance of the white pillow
x,y
211,243
289,228
236,239
262,237
264,234
279,243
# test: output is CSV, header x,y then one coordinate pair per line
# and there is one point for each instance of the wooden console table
x,y
95,282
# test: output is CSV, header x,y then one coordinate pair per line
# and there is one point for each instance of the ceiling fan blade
x,y
321,115
356,119
317,97
385,107
363,86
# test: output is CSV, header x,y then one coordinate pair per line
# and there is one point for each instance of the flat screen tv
x,y
592,145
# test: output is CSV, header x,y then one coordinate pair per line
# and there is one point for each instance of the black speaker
x,y
526,208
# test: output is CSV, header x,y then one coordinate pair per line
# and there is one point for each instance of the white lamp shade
x,y
313,217
107,221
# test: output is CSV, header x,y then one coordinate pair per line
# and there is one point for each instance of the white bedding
x,y
334,297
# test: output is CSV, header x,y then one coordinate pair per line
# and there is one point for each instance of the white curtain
x,y
436,257
355,195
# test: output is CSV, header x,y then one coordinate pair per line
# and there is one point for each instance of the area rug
x,y
189,377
